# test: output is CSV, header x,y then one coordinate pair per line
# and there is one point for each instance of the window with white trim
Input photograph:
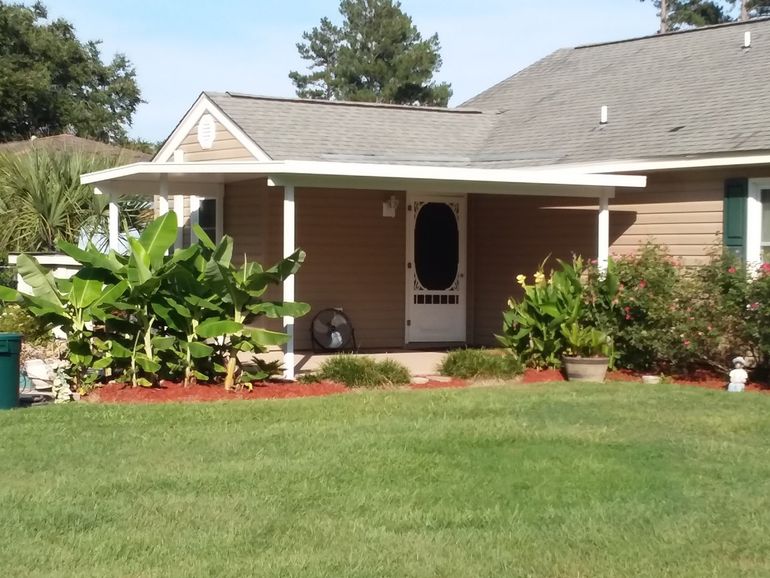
x,y
764,242
758,221
207,213
207,217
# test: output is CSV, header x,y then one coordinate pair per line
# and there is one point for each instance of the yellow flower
x,y
521,279
539,278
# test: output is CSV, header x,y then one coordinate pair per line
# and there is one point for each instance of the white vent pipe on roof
x,y
747,39
605,115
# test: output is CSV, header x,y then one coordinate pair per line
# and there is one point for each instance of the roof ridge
x,y
674,33
350,103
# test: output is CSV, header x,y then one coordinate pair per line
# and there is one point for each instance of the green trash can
x,y
10,349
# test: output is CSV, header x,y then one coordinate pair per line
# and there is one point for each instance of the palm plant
x,y
42,201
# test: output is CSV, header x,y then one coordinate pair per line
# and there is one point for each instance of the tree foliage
x,y
51,82
43,202
677,14
375,55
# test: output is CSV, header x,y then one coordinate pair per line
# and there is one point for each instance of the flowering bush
x,y
756,313
665,316
659,315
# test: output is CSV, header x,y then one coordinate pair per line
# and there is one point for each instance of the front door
x,y
435,269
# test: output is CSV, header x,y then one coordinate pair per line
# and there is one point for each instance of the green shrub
x,y
15,319
533,326
583,341
480,363
362,371
667,317
756,317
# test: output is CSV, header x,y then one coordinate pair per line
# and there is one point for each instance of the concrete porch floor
x,y
419,363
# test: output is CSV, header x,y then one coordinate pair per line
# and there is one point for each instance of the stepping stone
x,y
439,378
420,380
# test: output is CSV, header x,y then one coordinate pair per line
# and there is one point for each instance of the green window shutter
x,y
735,215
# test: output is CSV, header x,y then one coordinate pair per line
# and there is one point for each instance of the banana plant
x,y
76,305
150,315
240,290
132,319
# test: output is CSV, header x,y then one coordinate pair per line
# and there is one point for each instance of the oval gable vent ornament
x,y
207,131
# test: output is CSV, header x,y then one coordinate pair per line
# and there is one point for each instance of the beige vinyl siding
x,y
225,148
355,256
512,235
682,211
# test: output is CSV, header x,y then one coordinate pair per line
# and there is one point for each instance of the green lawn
x,y
546,480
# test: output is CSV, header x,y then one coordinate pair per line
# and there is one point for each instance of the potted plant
x,y
587,353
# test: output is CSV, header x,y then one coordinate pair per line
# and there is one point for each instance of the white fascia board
x,y
285,170
202,106
643,165
46,259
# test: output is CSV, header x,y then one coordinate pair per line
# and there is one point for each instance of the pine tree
x,y
676,14
375,55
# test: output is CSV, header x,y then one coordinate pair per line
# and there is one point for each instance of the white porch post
x,y
603,248
288,284
163,195
113,223
179,210
195,205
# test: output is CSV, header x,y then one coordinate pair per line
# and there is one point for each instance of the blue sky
x,y
183,47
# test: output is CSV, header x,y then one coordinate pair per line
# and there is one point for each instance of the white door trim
x,y
462,265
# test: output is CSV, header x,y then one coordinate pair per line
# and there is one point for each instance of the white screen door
x,y
435,269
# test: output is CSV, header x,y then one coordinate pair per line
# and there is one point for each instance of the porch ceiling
x,y
197,178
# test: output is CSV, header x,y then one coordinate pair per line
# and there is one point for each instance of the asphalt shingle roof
x,y
686,93
357,132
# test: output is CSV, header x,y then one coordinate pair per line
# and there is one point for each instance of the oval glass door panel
x,y
436,246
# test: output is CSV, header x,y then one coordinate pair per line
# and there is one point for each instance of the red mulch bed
x,y
176,392
169,392
699,378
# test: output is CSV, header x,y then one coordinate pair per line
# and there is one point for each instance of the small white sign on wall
x,y
207,131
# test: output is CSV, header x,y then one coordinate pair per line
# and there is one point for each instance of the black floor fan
x,y
331,330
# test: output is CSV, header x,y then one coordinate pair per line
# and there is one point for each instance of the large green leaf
x,y
110,294
198,350
203,238
223,254
275,310
264,338
119,351
179,308
159,236
7,294
87,287
40,279
91,256
163,343
147,364
218,327
138,264
168,315
289,265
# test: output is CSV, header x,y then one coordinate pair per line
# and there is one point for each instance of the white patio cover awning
x,y
191,178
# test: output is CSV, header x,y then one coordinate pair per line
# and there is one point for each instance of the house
x,y
417,220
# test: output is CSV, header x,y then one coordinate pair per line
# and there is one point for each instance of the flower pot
x,y
586,368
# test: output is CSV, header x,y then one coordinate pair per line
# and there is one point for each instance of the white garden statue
x,y
738,376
